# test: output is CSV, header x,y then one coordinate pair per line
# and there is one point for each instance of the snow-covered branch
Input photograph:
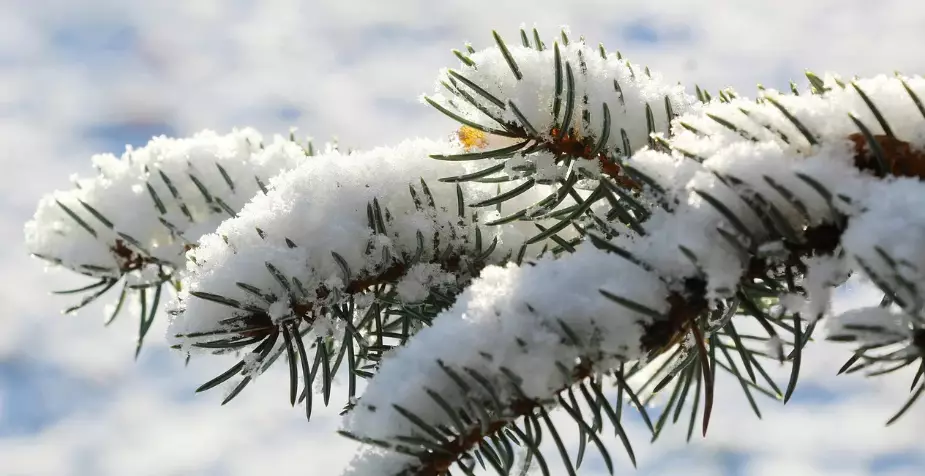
x,y
588,218
335,245
539,108
515,335
143,210
749,190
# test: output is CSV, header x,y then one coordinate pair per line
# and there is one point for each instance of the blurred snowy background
x,y
85,76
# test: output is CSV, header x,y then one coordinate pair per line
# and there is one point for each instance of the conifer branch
x,y
810,234
590,224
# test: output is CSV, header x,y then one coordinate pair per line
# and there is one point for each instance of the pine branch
x,y
588,113
750,202
348,249
133,222
565,240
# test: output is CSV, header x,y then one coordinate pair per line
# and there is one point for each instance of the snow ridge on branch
x,y
136,218
309,259
740,183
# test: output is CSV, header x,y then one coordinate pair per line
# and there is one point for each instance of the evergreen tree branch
x,y
592,225
133,222
348,249
829,204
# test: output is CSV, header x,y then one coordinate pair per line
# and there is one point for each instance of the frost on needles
x,y
591,230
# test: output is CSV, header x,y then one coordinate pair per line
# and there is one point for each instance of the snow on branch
x,y
660,217
887,242
542,104
532,324
143,210
747,191
888,239
300,259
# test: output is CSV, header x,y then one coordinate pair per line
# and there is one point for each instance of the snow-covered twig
x,y
306,253
143,210
741,176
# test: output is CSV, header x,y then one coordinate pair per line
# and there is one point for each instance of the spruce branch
x,y
591,230
800,208
133,221
570,102
349,250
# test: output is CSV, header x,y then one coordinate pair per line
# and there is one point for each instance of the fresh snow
x,y
734,180
512,317
320,209
624,87
720,154
120,194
